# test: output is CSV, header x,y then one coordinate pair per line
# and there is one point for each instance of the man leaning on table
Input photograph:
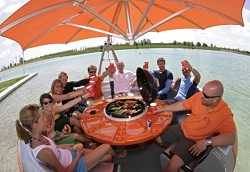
x,y
210,123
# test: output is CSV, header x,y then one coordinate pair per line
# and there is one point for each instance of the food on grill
x,y
125,108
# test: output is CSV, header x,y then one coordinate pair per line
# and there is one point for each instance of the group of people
x,y
180,89
210,122
48,126
53,131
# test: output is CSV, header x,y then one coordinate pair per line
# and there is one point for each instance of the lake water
x,y
231,69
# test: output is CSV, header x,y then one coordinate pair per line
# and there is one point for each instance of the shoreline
x,y
13,87
185,45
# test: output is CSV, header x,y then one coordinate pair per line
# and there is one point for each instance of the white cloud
x,y
231,36
7,7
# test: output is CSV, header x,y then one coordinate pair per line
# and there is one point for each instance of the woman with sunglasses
x,y
58,97
59,111
61,123
30,128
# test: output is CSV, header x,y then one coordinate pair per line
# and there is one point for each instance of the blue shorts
x,y
80,166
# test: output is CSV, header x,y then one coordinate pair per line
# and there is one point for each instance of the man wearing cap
x,y
210,123
165,78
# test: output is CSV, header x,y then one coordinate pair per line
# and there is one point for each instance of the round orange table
x,y
102,129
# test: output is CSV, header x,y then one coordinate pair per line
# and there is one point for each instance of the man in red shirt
x,y
210,123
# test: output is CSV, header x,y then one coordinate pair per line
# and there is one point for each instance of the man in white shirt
x,y
123,80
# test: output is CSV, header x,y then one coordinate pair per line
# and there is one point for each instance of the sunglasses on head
x,y
47,102
209,97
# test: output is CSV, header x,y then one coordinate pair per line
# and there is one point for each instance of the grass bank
x,y
6,84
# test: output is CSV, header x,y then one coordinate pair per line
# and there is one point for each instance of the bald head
x,y
214,88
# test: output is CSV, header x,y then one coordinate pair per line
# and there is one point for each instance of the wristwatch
x,y
208,142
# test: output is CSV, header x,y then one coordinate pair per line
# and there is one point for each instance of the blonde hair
x,y
53,85
61,74
28,115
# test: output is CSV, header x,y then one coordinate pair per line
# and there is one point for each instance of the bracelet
x,y
82,98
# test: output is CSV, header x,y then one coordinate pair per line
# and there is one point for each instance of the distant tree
x,y
198,44
136,44
142,43
21,60
189,44
148,41
204,45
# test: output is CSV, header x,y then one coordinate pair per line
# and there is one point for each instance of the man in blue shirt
x,y
164,77
186,86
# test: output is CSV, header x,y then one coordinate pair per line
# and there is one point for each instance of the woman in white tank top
x,y
31,125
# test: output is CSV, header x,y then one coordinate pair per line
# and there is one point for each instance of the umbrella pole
x,y
106,48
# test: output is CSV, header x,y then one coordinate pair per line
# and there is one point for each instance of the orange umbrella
x,y
62,21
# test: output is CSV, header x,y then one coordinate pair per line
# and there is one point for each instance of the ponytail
x,y
28,115
23,133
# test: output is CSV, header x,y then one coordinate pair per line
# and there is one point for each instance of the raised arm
x,y
197,76
78,83
69,104
104,74
71,95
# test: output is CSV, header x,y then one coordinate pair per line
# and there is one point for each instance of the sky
x,y
231,36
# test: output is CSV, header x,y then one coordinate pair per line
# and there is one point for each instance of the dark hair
x,y
45,96
92,67
161,59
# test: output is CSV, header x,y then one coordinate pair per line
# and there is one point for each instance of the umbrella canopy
x,y
62,21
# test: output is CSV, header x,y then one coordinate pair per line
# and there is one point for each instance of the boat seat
x,y
26,160
28,163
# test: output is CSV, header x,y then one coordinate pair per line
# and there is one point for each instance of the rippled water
x,y
231,69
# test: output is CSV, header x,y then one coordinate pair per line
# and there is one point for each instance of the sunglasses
x,y
48,102
209,97
94,71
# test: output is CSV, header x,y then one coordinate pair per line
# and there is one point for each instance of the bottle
x,y
111,84
149,123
